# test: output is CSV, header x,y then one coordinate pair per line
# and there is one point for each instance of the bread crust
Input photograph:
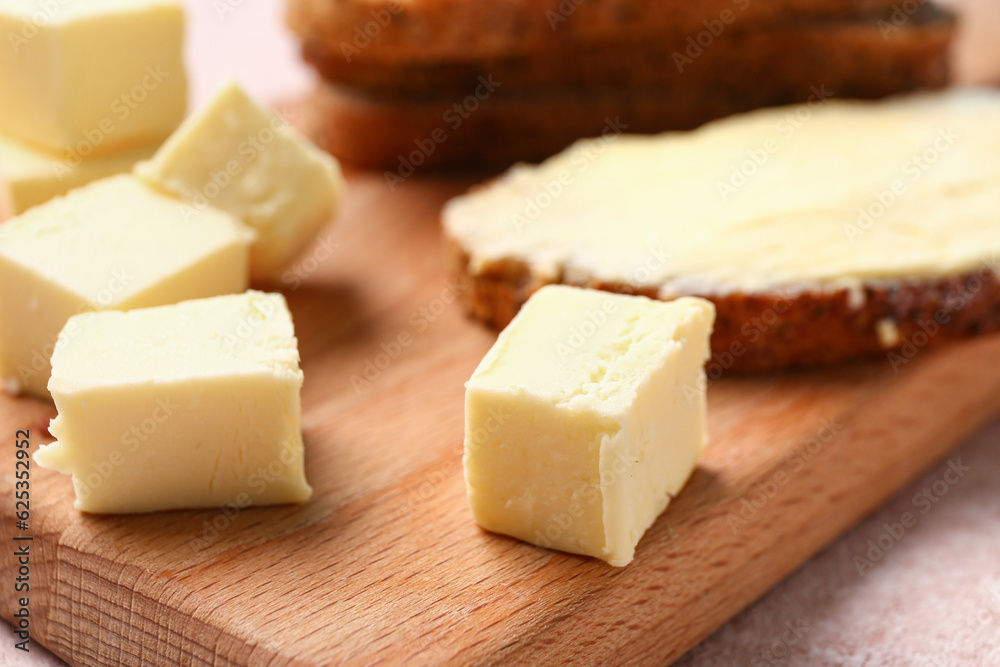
x,y
800,329
429,31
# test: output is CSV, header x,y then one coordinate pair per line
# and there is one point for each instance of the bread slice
x,y
430,31
865,57
852,229
479,120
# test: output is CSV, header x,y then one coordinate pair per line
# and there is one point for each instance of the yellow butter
x,y
586,417
240,157
30,176
184,406
113,244
91,76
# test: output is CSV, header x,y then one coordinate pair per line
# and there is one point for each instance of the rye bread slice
x,y
915,295
868,56
429,31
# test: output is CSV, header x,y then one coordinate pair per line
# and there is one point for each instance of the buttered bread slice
x,y
820,232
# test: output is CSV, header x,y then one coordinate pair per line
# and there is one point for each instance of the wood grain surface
x,y
385,563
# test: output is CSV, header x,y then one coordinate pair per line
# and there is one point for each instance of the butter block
x,y
240,157
91,76
586,417
112,245
30,176
180,407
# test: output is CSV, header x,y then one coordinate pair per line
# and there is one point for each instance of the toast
x,y
902,57
865,228
432,31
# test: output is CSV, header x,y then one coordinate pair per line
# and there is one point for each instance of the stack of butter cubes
x,y
130,293
88,88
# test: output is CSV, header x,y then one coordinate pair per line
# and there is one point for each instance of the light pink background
x,y
933,598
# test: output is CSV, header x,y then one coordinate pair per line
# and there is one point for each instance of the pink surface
x,y
931,595
885,594
244,40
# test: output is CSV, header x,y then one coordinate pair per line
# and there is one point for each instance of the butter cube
x,y
113,244
91,76
180,407
240,157
30,176
586,417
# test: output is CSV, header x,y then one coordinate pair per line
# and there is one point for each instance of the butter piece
x,y
586,417
30,176
791,199
114,244
180,407
91,76
240,157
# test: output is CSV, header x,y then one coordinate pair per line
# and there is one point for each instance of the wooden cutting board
x,y
386,564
